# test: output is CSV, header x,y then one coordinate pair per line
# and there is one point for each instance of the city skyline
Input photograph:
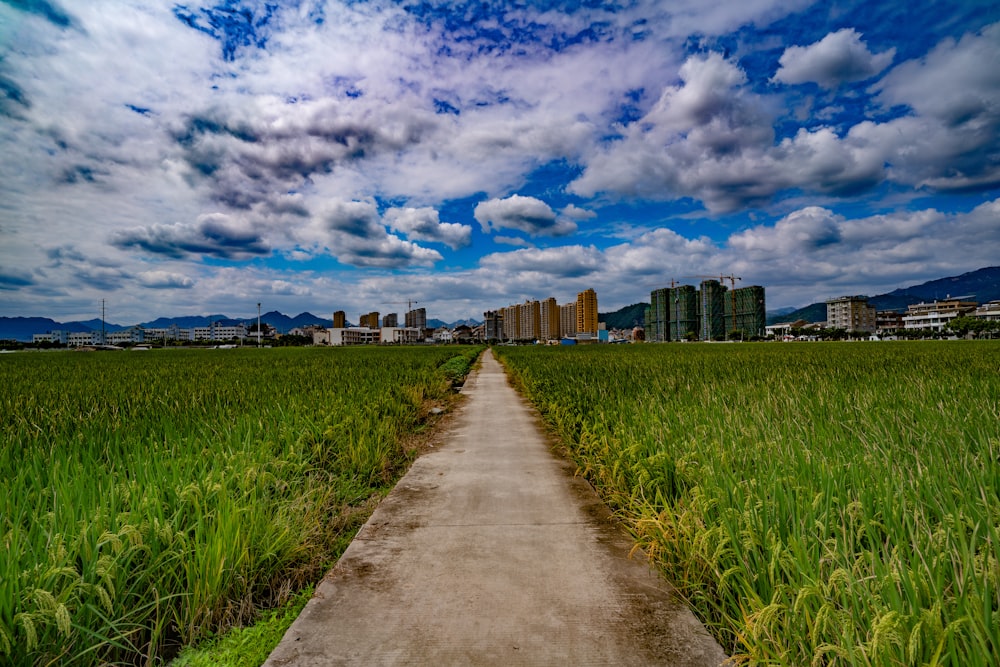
x,y
319,156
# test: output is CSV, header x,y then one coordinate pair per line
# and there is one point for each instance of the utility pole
x,y
103,335
258,324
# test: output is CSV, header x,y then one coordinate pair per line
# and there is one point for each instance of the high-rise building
x,y
586,312
339,320
745,311
658,316
530,317
370,320
493,325
683,302
549,320
567,319
712,313
417,318
712,310
390,320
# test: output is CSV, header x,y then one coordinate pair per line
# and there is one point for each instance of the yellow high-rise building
x,y
586,312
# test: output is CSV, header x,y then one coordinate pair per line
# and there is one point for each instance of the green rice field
x,y
817,504
152,499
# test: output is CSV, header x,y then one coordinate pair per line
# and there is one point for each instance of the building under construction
x,y
710,313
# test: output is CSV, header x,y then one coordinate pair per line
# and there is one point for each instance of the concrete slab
x,y
491,552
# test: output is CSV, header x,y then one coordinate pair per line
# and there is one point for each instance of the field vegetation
x,y
152,499
817,504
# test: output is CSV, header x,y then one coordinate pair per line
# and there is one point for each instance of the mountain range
x,y
981,285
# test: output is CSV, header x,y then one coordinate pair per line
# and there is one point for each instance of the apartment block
x,y
567,319
937,314
851,313
416,318
586,312
710,313
549,320
530,314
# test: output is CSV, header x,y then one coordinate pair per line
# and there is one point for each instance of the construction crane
x,y
409,304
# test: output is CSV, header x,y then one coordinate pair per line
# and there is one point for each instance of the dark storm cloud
x,y
212,235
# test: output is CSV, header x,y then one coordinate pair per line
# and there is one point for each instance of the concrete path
x,y
490,552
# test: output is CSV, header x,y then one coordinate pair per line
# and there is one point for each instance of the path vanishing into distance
x,y
489,551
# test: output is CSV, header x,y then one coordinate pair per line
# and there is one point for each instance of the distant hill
x,y
23,328
981,285
814,312
625,318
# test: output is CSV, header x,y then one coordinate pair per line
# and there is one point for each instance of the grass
x,y
831,504
153,500
249,646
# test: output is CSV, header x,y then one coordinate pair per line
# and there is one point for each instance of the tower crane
x,y
409,304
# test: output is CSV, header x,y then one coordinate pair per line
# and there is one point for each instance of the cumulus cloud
x,y
165,280
952,140
802,231
424,224
574,212
527,214
713,140
356,235
214,234
566,262
840,57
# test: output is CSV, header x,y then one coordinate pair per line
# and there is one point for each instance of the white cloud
x,y
424,224
840,57
565,262
165,280
355,235
527,214
711,139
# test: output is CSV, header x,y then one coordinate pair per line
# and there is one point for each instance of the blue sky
x,y
196,158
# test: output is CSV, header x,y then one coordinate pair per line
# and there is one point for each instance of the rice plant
x,y
818,504
151,500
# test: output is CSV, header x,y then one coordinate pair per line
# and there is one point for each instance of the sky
x,y
185,158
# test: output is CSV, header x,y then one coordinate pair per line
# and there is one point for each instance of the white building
x,y
354,336
84,338
399,335
219,332
130,335
443,335
937,314
51,337
988,311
